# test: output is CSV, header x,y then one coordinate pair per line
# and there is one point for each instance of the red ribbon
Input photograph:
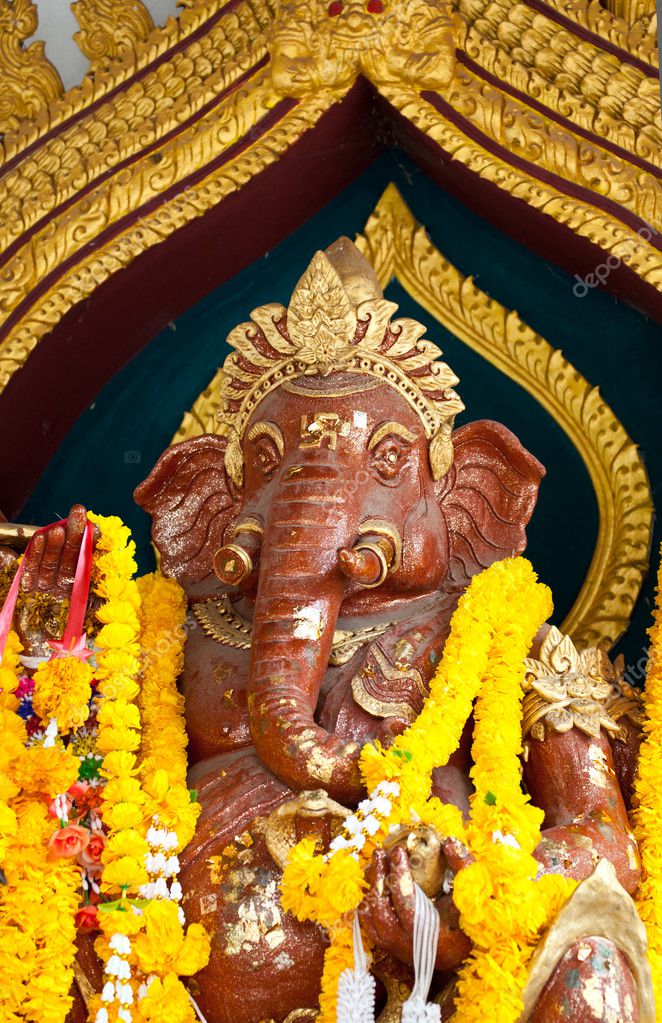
x,y
73,642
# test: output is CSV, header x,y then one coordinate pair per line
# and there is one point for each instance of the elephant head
x,y
338,485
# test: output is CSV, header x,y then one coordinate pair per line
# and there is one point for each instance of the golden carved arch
x,y
400,249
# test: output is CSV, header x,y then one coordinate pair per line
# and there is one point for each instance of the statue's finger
x,y
50,559
365,916
73,538
401,882
31,562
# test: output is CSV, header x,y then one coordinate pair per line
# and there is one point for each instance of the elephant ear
x,y
487,498
192,502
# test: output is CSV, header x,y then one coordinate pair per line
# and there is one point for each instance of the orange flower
x,y
87,919
90,856
70,841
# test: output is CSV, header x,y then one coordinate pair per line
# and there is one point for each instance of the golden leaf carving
x,y
110,29
567,689
28,80
321,320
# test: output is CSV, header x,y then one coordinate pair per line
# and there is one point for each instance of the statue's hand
x,y
51,559
387,912
49,569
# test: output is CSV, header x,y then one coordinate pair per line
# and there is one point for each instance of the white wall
x,y
57,26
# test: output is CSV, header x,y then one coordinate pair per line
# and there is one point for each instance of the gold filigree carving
x,y
131,120
638,38
111,29
410,41
624,243
566,688
398,247
364,694
631,10
28,80
195,65
236,118
571,76
221,622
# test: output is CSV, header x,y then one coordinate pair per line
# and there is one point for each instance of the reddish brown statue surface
x,y
344,518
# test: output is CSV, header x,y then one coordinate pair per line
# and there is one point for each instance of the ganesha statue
x,y
324,537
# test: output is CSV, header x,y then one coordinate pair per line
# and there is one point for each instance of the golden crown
x,y
337,321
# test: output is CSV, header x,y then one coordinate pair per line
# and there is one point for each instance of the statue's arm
x,y
572,777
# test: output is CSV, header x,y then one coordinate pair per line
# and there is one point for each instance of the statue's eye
x,y
389,456
267,456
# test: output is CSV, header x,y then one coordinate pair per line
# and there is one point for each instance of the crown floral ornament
x,y
337,321
568,688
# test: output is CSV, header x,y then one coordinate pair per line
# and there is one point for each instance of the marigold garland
x,y
483,654
146,808
503,907
39,900
648,796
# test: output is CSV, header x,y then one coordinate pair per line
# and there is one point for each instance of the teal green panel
x,y
116,441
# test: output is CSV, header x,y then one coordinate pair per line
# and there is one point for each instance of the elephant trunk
x,y
298,601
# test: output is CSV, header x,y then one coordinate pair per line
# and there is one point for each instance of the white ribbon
x,y
426,935
356,988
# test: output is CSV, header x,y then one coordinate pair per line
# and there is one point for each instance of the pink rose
x,y
69,841
90,856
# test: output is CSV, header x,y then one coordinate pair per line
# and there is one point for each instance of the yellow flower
x,y
501,906
164,948
126,873
127,842
648,796
62,691
167,1001
45,771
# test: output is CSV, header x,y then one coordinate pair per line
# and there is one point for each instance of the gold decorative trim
x,y
125,126
398,247
28,80
111,29
320,331
388,708
82,279
200,61
613,236
536,56
638,39
221,622
566,689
